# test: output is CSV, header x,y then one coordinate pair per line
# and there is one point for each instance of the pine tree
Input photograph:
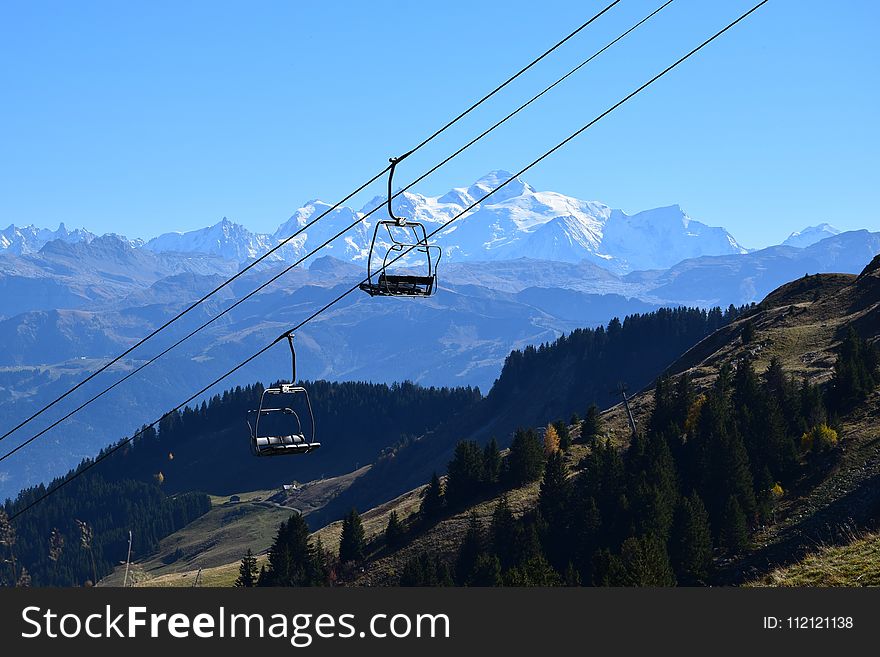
x,y
812,407
425,570
564,434
527,538
664,405
572,576
645,562
607,568
718,461
554,494
525,462
653,484
24,579
470,551
491,463
487,571
87,536
247,571
748,332
734,527
291,558
764,494
734,462
433,500
591,427
855,372
503,532
393,531
536,571
323,561
691,541
464,473
352,543
585,533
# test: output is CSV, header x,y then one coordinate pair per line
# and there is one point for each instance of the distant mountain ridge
x,y
516,221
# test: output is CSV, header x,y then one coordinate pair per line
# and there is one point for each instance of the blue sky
x,y
145,117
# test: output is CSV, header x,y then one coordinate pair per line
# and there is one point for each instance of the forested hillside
x,y
207,448
81,533
539,385
149,486
708,470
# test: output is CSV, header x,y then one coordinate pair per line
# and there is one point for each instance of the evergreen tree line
x,y
207,447
578,365
294,559
706,471
79,534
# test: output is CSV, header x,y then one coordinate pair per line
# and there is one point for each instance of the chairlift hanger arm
x,y
292,357
401,221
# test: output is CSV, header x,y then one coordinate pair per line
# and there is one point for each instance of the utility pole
x,y
622,390
127,561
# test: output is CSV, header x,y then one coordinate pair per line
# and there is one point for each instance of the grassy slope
x,y
216,542
854,564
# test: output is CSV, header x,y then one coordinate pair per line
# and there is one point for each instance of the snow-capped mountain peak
x,y
493,180
225,238
22,240
810,235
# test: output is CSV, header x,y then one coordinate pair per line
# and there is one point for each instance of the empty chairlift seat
x,y
401,263
284,424
406,239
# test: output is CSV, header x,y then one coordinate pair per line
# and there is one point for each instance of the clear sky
x,y
145,117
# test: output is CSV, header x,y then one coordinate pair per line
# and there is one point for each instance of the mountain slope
x,y
789,322
802,324
580,368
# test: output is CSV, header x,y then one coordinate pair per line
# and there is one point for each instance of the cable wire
x,y
333,238
444,225
275,248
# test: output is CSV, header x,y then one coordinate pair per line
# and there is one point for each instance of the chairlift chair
x,y
405,236
286,434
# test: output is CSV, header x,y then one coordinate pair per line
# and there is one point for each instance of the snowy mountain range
x,y
516,221
30,239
